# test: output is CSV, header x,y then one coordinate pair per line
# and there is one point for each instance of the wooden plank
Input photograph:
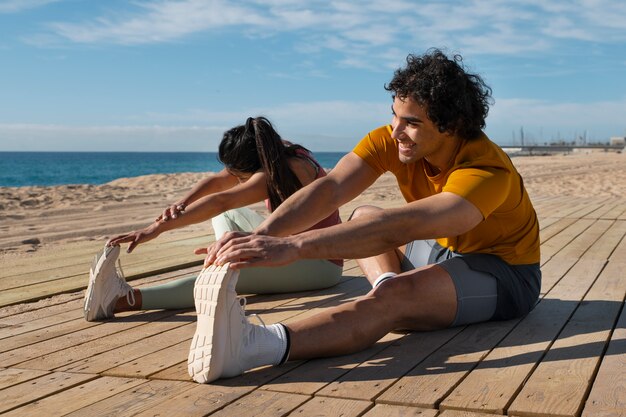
x,y
26,392
587,206
554,245
47,333
76,398
14,376
51,323
332,407
434,378
374,376
75,253
36,326
577,247
151,261
593,243
461,413
72,354
560,383
553,270
492,386
545,222
79,282
317,373
99,363
606,244
608,394
608,207
617,211
151,363
546,208
135,400
618,254
197,401
555,228
386,410
97,331
20,314
263,403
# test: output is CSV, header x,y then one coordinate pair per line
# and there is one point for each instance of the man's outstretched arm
x,y
319,199
444,214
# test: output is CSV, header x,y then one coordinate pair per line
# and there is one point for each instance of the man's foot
x,y
106,285
220,321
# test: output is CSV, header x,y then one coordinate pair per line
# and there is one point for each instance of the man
x,y
464,249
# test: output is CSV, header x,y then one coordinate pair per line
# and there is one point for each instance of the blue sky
x,y
173,75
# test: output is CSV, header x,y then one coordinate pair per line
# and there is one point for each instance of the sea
x,y
18,169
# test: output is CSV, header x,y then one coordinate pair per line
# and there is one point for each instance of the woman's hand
x,y
136,237
172,212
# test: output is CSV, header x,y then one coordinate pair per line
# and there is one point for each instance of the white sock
x,y
383,277
269,346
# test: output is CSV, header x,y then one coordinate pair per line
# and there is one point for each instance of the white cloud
x,y
16,6
161,22
363,32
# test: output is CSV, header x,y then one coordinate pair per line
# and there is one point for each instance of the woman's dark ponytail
x,y
271,155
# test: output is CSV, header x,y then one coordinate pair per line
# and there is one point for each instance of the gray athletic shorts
x,y
487,288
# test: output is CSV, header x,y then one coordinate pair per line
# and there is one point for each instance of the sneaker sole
x,y
89,310
205,362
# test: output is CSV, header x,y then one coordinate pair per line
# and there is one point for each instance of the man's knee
x,y
364,211
395,289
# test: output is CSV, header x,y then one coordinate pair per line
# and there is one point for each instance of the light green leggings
x,y
302,275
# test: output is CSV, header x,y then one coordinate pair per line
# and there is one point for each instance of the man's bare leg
x,y
422,299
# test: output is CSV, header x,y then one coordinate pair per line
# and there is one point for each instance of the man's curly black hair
x,y
455,100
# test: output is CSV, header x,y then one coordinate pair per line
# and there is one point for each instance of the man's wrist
x,y
299,243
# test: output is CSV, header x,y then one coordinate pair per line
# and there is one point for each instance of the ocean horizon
x,y
20,169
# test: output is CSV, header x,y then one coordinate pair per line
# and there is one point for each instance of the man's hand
x,y
246,250
212,250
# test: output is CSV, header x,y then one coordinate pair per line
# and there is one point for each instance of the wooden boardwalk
x,y
566,358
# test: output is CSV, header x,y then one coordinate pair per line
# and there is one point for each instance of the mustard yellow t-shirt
x,y
481,173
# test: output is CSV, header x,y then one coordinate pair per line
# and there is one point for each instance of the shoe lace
x,y
130,294
243,302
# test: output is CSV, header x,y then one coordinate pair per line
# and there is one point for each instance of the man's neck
x,y
443,158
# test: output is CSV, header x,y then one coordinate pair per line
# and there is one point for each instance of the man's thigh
x,y
476,291
421,299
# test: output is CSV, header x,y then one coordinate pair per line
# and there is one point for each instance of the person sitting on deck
x,y
464,249
259,165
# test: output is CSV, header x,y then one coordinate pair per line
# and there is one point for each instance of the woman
x,y
259,165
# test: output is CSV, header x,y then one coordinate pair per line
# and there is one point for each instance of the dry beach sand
x,y
46,218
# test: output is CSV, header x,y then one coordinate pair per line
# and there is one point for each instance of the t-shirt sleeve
x,y
486,188
374,150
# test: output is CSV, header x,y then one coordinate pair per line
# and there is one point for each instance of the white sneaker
x,y
106,285
225,343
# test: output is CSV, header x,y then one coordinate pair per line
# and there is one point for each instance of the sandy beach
x,y
37,218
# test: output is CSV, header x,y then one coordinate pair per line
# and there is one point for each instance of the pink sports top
x,y
331,220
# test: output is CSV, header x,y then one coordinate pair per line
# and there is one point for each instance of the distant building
x,y
618,140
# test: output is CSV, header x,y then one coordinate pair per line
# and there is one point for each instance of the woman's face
x,y
241,176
